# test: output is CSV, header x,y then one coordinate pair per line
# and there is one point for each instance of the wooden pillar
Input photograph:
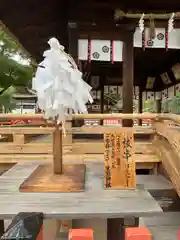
x,y
158,102
73,40
115,229
1,227
73,50
140,104
102,78
158,105
128,76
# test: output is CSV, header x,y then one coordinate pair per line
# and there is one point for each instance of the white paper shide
x,y
59,84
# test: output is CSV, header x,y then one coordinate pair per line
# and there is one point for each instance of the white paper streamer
x,y
59,84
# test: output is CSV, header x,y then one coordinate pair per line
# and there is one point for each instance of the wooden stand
x,y
58,177
119,164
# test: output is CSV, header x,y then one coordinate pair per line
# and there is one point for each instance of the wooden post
x,y
18,138
57,151
158,105
128,76
73,40
1,227
140,105
115,228
102,78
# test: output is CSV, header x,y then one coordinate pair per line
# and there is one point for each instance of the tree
x,y
6,103
12,72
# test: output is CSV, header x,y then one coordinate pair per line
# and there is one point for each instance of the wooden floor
x,y
94,202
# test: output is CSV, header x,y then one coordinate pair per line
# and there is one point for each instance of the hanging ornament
x,y
144,39
171,23
59,85
141,23
112,51
89,49
166,38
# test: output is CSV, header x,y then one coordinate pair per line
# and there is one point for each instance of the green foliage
x,y
171,105
6,103
12,72
149,106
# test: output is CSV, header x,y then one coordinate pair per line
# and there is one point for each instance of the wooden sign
x,y
119,163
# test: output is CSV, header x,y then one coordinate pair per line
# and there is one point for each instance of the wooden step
x,y
165,226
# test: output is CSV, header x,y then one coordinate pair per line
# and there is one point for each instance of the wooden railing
x,y
163,125
19,138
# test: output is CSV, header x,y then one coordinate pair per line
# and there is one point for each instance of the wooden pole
x,y
73,40
115,228
158,105
2,228
57,151
140,105
102,78
128,76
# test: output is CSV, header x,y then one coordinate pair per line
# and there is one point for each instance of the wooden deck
x,y
94,202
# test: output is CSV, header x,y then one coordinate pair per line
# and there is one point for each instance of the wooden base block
x,y
44,180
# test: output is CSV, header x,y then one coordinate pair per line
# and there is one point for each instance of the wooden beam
x,y
105,31
26,130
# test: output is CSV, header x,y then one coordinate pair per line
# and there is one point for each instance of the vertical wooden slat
x,y
57,151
